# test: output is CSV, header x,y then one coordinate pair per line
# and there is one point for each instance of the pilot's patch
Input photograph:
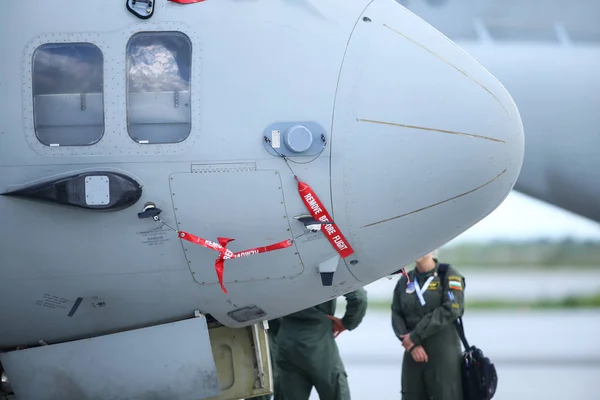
x,y
433,285
455,285
455,305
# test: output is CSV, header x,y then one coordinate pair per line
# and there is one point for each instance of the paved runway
x,y
539,355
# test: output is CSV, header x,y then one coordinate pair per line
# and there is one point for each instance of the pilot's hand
x,y
419,354
338,326
406,342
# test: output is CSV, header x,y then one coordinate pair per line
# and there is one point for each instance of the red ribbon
x,y
403,272
332,232
226,254
186,1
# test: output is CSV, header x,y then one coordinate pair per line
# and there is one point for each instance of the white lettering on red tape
x,y
332,232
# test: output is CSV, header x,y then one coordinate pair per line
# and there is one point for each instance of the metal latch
x,y
141,8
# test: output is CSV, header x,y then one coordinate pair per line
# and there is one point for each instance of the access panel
x,y
244,205
170,361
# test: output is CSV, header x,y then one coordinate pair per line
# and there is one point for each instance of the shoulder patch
x,y
455,285
455,278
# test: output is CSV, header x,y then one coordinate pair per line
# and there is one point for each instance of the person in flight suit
x,y
307,354
273,330
423,312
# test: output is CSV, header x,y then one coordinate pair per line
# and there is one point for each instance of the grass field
x,y
534,253
591,301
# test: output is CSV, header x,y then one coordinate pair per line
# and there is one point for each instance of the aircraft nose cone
x,y
425,141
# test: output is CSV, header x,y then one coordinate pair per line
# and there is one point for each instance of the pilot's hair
x,y
435,254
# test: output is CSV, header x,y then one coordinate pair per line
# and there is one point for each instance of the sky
x,y
523,217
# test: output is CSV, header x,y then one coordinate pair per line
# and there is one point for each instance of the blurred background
x,y
532,267
532,305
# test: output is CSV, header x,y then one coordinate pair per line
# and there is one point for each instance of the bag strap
x,y
458,323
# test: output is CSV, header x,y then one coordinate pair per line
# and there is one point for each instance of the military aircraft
x,y
174,173
547,54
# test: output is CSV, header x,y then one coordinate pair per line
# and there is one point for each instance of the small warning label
x,y
52,301
156,237
276,139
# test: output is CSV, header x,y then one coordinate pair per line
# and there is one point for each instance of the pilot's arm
x,y
452,307
356,308
398,322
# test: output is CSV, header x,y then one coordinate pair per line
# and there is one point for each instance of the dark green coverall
x,y
273,330
431,327
307,354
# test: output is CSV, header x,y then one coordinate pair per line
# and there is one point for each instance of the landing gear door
x,y
243,360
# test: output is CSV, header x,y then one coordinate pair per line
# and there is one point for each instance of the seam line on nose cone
x,y
438,203
452,65
424,128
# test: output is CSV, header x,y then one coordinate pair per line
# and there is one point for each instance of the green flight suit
x,y
307,354
431,326
273,330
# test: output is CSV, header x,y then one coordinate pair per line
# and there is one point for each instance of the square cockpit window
x,y
158,87
68,95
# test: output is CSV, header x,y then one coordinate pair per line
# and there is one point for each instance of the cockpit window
x,y
68,95
158,87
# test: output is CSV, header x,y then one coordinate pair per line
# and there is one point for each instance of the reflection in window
x,y
158,79
68,104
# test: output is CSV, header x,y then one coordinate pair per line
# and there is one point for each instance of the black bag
x,y
479,378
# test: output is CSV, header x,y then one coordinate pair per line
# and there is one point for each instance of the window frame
x,y
188,105
36,117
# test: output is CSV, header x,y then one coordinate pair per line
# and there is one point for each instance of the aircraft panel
x,y
256,216
419,72
136,91
557,90
429,120
171,361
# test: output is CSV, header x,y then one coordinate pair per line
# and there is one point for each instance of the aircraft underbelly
x,y
247,206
